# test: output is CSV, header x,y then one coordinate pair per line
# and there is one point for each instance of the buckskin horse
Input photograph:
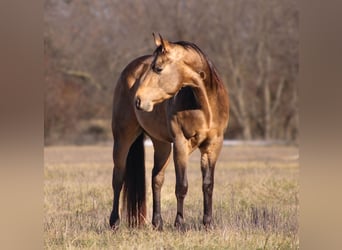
x,y
176,97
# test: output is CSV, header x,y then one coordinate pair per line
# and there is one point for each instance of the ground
x,y
255,201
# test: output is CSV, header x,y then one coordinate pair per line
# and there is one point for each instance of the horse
x,y
176,97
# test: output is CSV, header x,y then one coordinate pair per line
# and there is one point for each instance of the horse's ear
x,y
159,41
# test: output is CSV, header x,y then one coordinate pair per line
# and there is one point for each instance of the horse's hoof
x,y
157,223
158,227
207,222
115,226
114,222
179,222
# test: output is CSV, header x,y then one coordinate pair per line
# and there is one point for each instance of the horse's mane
x,y
214,79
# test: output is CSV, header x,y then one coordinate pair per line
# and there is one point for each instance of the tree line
x,y
253,44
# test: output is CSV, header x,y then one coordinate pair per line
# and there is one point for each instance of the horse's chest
x,y
155,123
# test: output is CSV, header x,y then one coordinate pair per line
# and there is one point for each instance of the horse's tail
x,y
134,192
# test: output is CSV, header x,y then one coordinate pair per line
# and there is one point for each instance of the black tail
x,y
134,192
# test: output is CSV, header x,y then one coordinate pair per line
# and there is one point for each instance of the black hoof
x,y
114,222
157,223
179,223
207,222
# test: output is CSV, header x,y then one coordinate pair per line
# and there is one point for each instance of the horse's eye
x,y
157,69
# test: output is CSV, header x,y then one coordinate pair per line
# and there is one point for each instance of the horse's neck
x,y
202,93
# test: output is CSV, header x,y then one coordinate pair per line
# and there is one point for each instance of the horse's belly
x,y
191,123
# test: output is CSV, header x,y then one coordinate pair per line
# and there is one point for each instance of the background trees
x,y
254,45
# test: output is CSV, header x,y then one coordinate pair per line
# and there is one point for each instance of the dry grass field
x,y
255,201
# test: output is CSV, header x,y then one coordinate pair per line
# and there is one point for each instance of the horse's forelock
x,y
158,50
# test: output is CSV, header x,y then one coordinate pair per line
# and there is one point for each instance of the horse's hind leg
x,y
209,154
162,152
122,143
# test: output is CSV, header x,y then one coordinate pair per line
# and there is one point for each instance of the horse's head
x,y
167,74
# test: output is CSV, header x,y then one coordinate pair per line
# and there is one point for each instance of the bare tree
x,y
254,45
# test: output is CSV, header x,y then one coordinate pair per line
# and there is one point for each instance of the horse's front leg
x,y
209,154
180,156
162,152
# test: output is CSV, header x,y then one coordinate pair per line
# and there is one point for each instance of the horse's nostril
x,y
137,103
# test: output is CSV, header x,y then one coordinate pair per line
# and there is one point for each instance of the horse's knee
x,y
157,181
181,189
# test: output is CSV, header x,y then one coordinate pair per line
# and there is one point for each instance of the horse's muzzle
x,y
144,106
